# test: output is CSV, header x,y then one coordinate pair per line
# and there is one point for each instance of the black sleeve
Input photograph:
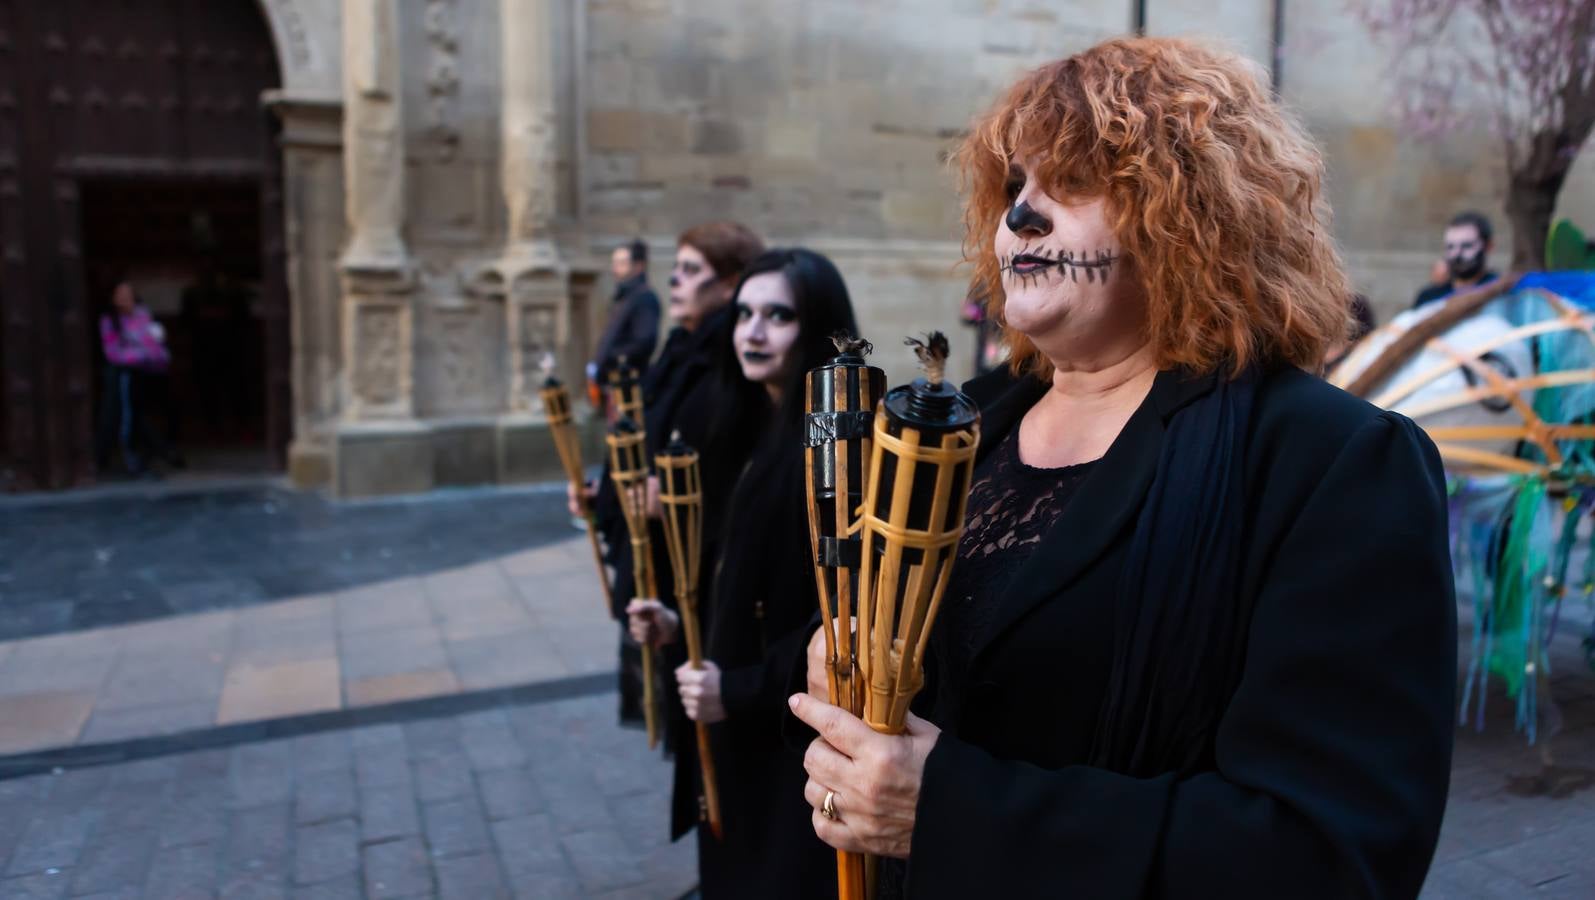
x,y
641,330
1332,759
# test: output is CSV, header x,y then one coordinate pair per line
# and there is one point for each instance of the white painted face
x,y
767,330
695,288
1064,277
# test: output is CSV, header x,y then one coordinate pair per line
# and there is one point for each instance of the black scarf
x,y
1180,627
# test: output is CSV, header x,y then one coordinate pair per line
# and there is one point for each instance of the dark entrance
x,y
133,145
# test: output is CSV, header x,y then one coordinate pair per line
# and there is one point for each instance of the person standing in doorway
x,y
135,351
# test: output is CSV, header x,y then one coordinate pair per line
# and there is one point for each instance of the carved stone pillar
x,y
377,326
373,136
528,119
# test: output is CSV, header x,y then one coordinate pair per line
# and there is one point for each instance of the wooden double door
x,y
133,145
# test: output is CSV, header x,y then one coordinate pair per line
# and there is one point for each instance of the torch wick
x,y
932,352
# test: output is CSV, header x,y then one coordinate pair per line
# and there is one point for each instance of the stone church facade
x,y
453,173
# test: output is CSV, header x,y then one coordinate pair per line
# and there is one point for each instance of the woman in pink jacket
x,y
135,349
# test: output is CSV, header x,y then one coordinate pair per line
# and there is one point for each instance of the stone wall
x,y
819,122
828,123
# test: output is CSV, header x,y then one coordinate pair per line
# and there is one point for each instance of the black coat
x,y
757,609
632,329
676,379
1332,758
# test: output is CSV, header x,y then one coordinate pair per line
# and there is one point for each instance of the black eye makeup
x,y
1015,183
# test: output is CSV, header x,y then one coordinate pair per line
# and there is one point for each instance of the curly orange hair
x,y
1214,192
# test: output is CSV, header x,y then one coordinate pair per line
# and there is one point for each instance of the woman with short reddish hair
x,y
1200,637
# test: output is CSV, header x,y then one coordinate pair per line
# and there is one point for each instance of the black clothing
x,y
684,361
1434,292
1011,506
1326,774
756,610
633,327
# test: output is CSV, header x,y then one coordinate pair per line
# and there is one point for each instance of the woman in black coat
x,y
709,261
1200,636
760,594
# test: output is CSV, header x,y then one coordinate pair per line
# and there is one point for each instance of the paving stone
x,y
397,869
602,860
529,845
380,689
324,796
41,886
492,747
443,777
388,812
326,851
53,840
194,819
260,837
269,691
470,878
253,886
117,860
109,725
42,720
323,752
179,873
507,793
456,827
432,737
382,768
346,888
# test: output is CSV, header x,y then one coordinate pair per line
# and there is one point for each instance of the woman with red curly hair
x,y
1200,638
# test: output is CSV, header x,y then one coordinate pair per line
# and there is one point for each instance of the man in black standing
x,y
633,326
1468,241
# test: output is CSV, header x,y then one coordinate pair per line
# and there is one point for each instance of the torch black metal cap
x,y
551,382
937,407
624,425
676,447
930,403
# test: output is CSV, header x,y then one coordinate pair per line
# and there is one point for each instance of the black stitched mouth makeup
x,y
1030,265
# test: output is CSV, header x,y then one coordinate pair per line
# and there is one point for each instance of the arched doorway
x,y
133,146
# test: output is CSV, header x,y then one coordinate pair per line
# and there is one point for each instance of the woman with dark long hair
x,y
759,595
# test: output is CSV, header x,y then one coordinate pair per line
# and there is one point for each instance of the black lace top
x,y
1011,506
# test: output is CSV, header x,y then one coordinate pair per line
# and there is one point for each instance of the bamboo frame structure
x,y
556,406
625,391
839,401
914,507
628,469
1492,385
681,496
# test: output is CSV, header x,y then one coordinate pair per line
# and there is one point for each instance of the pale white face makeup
x,y
695,291
767,329
1063,272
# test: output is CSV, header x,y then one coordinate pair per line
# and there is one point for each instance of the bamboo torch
x,y
629,470
840,399
923,456
556,404
681,495
625,391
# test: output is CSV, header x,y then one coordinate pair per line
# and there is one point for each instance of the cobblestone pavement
x,y
544,801
125,555
519,798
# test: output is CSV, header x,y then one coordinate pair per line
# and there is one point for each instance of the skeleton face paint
x,y
1465,252
1061,265
695,290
